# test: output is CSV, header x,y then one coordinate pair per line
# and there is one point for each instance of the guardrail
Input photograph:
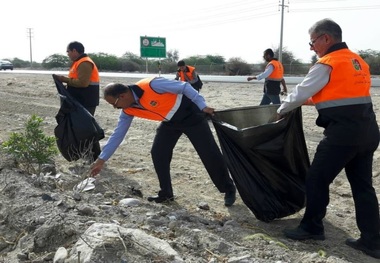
x,y
210,78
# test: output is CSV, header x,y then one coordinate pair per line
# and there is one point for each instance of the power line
x,y
249,10
245,11
317,1
336,9
224,14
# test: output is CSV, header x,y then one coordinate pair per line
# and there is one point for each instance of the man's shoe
x,y
160,199
357,244
230,197
301,234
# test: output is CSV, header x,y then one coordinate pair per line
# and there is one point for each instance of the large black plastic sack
x,y
267,160
77,129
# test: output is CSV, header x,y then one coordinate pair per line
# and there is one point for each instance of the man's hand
x,y
96,167
61,78
251,78
209,110
281,116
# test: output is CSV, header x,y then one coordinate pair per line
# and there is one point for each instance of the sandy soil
x,y
24,94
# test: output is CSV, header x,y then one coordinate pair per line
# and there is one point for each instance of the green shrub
x,y
32,148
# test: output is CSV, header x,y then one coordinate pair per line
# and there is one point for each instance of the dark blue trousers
x,y
201,137
328,161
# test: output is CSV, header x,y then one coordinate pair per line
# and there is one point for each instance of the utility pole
x,y
282,30
29,34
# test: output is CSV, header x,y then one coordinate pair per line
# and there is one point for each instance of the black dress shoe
x,y
301,234
160,199
358,244
230,197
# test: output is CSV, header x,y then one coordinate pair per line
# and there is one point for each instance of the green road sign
x,y
152,47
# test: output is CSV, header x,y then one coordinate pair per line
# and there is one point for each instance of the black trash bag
x,y
77,129
268,160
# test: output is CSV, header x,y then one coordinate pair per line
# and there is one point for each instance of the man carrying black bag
x,y
77,130
83,86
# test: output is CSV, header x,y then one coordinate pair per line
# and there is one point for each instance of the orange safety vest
x,y
189,73
278,71
350,81
73,73
155,106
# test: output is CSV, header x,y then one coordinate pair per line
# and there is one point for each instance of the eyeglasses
x,y
115,103
311,43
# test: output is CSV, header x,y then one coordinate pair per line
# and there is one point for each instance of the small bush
x,y
32,148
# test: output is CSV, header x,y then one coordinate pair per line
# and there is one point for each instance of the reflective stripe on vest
x,y
156,106
350,81
342,102
278,71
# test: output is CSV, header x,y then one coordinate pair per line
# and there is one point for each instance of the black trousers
x,y
201,137
95,150
329,160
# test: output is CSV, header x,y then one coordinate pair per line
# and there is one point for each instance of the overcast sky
x,y
240,28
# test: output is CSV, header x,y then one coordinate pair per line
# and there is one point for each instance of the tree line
x,y
208,64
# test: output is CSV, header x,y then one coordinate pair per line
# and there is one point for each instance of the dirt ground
x,y
130,168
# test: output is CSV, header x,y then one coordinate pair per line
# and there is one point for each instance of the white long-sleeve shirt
x,y
268,70
317,77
